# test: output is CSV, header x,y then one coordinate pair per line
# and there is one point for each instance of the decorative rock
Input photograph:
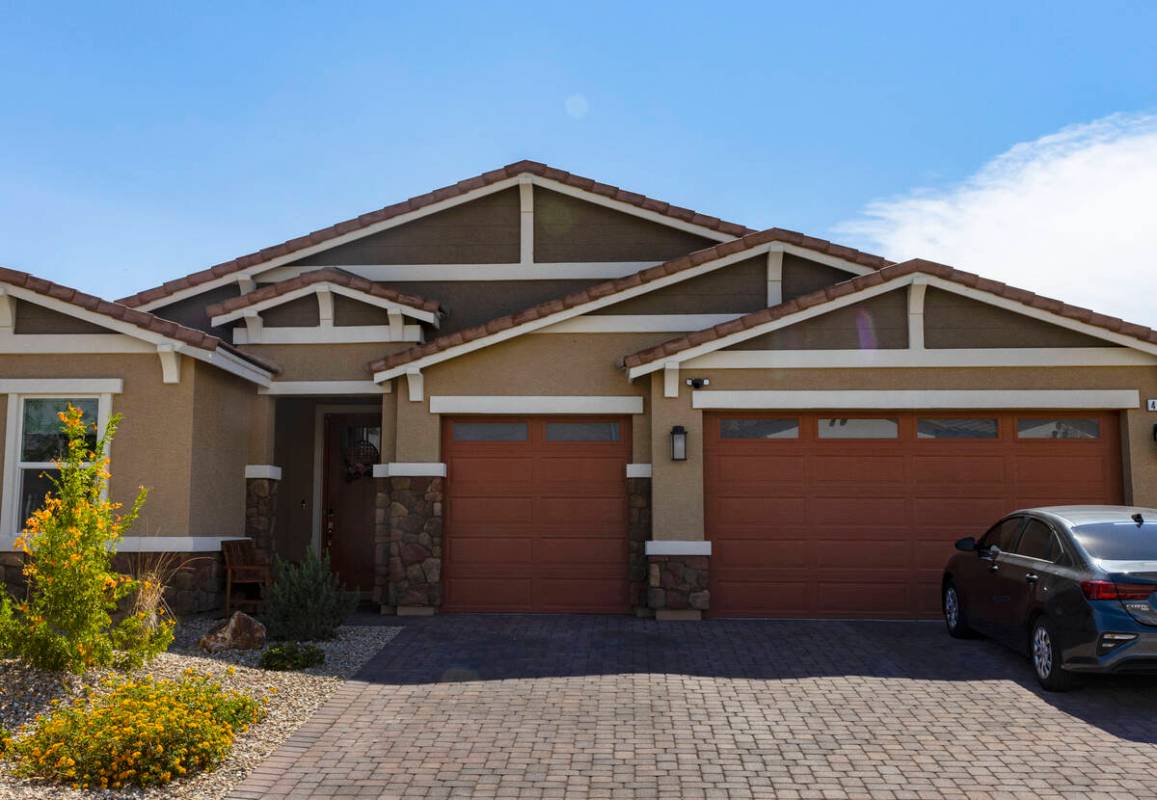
x,y
239,632
678,582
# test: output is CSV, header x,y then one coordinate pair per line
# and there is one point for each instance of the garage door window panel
x,y
582,432
859,428
759,429
957,428
1066,428
491,431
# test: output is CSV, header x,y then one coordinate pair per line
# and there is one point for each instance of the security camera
x,y
698,383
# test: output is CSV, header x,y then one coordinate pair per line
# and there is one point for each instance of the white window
x,y
32,443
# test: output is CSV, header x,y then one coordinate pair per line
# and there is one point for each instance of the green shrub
x,y
5,742
142,732
306,601
7,627
292,656
66,621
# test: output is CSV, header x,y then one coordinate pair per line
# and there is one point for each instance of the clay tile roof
x,y
611,287
118,311
326,275
414,203
892,272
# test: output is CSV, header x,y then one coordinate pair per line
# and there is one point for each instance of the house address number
x,y
1152,404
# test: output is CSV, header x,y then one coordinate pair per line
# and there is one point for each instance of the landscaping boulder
x,y
239,632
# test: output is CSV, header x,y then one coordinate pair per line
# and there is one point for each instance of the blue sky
x,y
143,141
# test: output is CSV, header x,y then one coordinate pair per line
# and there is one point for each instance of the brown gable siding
x,y
33,319
192,311
348,311
802,276
470,303
485,231
300,313
880,323
422,201
736,289
568,229
955,322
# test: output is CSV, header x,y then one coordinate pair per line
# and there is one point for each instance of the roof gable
x,y
308,283
464,191
888,279
616,291
166,336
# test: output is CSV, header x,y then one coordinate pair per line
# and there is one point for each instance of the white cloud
x,y
1072,215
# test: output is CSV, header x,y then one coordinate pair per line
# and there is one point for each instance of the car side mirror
x,y
966,545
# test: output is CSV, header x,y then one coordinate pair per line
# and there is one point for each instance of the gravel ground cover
x,y
292,698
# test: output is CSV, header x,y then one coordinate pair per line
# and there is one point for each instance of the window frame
x,y
15,466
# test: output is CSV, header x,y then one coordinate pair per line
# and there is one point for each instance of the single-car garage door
x,y
536,514
854,515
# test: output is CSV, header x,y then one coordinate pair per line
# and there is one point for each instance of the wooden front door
x,y
352,446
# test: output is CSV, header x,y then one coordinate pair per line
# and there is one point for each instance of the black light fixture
x,y
678,443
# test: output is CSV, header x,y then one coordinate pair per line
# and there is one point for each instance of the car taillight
x,y
1107,590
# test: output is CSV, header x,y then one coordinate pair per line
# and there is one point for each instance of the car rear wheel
x,y
954,616
1046,658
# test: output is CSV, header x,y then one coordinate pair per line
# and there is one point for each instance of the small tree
x,y
66,621
307,601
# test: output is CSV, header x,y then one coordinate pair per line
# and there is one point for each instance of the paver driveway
x,y
570,706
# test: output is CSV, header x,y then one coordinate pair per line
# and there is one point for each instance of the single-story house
x,y
533,392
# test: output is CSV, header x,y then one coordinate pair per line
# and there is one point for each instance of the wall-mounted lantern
x,y
678,443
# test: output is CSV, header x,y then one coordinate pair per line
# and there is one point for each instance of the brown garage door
x,y
853,515
536,516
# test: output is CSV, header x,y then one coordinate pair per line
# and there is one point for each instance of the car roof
x,y
1088,515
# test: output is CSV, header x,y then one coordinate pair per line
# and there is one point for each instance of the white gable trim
x,y
325,290
434,208
902,399
571,313
883,288
342,334
914,358
386,273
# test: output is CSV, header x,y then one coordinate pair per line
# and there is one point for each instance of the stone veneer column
x,y
638,532
414,517
677,586
261,512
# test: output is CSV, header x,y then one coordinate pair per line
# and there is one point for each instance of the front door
x,y
352,446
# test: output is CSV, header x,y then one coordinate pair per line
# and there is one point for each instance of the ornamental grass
x,y
135,732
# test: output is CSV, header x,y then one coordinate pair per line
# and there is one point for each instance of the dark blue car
x,y
1073,587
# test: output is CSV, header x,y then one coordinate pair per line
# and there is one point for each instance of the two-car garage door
x,y
854,515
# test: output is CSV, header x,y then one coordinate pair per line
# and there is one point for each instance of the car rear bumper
x,y
1137,656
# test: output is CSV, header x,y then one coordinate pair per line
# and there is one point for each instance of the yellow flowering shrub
x,y
66,620
135,732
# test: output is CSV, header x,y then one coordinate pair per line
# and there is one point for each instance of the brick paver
x,y
608,707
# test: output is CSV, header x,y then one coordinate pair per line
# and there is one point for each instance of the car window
x,y
1002,534
1119,541
1038,541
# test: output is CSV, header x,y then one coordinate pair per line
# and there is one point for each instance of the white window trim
x,y
270,472
534,404
154,544
10,502
903,399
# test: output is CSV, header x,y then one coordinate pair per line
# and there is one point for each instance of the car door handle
x,y
1031,577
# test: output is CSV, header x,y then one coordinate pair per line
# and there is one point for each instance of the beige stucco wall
x,y
155,439
534,364
325,362
222,404
678,495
